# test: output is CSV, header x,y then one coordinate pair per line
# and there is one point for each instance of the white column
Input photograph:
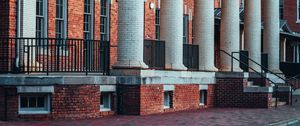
x,y
230,32
204,33
253,32
130,34
272,33
172,32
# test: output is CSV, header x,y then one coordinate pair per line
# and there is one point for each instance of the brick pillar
x,y
230,32
253,31
204,35
172,32
272,33
130,34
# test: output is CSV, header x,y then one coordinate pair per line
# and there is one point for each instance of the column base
x,y
176,67
131,64
229,69
276,71
208,68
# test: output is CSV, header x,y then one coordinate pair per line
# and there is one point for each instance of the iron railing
x,y
49,55
154,54
191,56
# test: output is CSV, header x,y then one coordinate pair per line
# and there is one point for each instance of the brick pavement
x,y
204,117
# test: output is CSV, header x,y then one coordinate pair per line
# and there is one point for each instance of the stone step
x,y
278,104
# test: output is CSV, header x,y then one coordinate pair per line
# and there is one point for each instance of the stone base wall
x,y
149,99
67,102
229,93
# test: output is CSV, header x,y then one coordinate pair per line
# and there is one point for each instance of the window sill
x,y
105,109
298,21
33,112
166,107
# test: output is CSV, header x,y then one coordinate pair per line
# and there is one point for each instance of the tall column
x,y
204,33
230,32
253,32
272,34
130,34
172,32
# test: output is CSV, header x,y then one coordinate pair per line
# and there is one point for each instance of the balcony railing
x,y
46,55
191,56
154,54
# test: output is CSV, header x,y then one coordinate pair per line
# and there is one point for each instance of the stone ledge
x,y
55,80
258,89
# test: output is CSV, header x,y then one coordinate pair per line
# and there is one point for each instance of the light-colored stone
x,y
252,30
230,32
272,33
35,89
204,34
172,32
130,34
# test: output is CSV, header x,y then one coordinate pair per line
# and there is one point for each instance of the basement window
x,y
203,97
168,99
105,101
34,104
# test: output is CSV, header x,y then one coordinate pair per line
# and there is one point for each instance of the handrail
x,y
261,66
276,84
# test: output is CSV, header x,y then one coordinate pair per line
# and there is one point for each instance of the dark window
x,y
203,97
33,101
157,24
87,19
185,29
40,19
104,20
105,101
281,9
60,19
168,99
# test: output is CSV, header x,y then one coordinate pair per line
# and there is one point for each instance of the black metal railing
x,y
255,71
191,56
154,54
46,55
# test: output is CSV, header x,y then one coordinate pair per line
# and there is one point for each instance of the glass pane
x,y
41,102
24,101
32,102
166,99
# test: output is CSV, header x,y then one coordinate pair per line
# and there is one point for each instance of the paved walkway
x,y
205,117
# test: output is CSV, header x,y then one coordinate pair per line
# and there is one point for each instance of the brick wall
x,y
76,102
290,14
113,32
151,99
229,93
2,106
129,99
186,97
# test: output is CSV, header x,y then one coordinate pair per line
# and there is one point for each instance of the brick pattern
x,y
129,99
76,102
2,106
211,96
229,93
151,99
290,14
186,97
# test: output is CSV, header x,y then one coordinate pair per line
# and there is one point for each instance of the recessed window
x,y
157,24
104,20
186,29
34,104
203,97
105,101
281,9
168,99
88,19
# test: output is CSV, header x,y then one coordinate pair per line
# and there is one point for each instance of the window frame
x,y
88,15
34,110
185,29
168,99
105,20
203,97
157,23
281,9
61,20
103,108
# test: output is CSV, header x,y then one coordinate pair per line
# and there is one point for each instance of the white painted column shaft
x,y
172,32
130,36
253,32
230,32
204,33
272,33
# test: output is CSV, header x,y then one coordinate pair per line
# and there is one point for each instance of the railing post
x,y
232,61
276,96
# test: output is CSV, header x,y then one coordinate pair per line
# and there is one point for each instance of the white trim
x,y
169,87
203,87
35,89
24,111
107,88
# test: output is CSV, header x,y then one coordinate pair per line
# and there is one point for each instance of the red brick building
x,y
79,59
